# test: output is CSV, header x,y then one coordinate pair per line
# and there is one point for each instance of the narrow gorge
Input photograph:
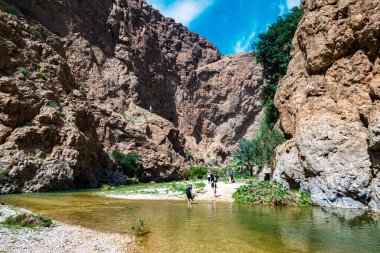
x,y
82,78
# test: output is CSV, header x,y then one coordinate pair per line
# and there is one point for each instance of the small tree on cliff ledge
x,y
130,163
273,48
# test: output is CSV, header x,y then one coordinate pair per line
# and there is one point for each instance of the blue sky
x,y
231,25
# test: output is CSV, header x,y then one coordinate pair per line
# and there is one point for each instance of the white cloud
x,y
182,11
244,43
293,3
282,9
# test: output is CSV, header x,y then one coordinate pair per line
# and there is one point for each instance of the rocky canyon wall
x,y
119,75
329,105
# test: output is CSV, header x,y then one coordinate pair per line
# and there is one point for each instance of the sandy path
x,y
224,193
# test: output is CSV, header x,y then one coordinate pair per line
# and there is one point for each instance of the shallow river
x,y
213,227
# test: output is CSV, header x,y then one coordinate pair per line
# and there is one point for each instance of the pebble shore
x,y
58,238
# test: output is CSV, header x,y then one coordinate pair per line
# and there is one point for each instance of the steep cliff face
x,y
329,105
118,76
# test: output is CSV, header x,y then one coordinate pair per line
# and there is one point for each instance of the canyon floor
x,y
166,192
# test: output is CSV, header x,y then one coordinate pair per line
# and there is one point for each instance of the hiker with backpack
x,y
189,194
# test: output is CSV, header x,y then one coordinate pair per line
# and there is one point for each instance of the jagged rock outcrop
x,y
329,105
119,75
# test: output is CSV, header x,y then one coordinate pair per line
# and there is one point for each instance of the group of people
x,y
212,179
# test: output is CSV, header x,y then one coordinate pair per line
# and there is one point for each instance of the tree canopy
x,y
272,50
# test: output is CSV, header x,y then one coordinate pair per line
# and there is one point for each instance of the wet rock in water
x,y
328,103
110,75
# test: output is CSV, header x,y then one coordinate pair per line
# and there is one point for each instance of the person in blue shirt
x,y
189,194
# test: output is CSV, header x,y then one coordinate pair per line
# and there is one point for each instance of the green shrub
x,y
270,193
139,230
38,65
52,104
10,9
23,70
130,163
131,180
196,171
33,31
3,173
179,187
42,76
199,185
27,220
241,175
106,187
304,199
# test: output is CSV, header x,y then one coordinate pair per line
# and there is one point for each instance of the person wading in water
x,y
189,194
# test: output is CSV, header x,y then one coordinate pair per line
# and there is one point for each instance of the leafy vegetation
x,y
106,187
10,9
199,185
195,171
245,154
272,50
42,76
140,229
3,173
23,70
130,163
33,31
270,193
179,187
52,104
241,175
27,220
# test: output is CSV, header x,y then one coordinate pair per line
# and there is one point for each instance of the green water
x,y
213,227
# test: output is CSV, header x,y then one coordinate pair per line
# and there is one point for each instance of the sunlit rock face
x,y
119,75
329,105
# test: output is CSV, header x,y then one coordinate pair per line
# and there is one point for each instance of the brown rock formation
x,y
329,105
119,76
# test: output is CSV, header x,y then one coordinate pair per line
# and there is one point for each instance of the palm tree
x,y
245,154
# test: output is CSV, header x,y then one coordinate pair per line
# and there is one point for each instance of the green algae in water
x,y
213,227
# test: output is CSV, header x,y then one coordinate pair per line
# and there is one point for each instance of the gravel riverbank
x,y
58,238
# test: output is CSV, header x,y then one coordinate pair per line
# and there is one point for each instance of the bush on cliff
x,y
3,173
272,50
130,163
270,193
10,9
